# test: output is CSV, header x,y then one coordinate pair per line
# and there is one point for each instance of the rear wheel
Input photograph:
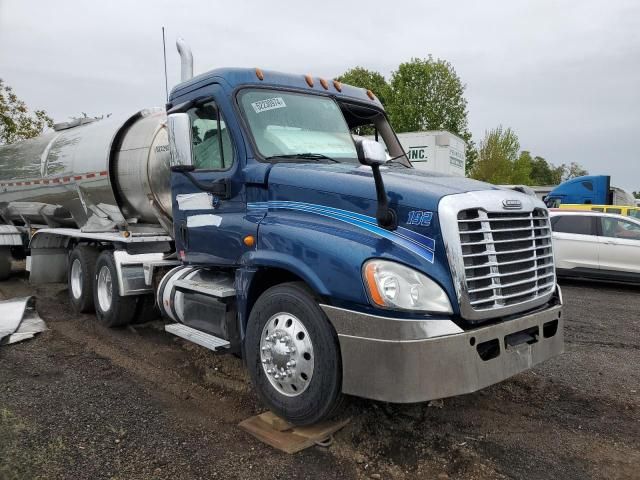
x,y
82,264
293,355
112,309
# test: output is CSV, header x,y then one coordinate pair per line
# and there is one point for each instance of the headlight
x,y
391,285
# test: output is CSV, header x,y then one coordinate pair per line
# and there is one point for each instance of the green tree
x,y
521,173
429,95
544,173
498,158
16,122
636,194
572,170
363,78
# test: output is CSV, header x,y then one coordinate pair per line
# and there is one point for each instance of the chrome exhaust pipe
x,y
186,60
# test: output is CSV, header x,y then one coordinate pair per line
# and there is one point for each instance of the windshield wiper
x,y
303,156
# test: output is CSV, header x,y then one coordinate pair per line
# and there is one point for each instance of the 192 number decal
x,y
419,217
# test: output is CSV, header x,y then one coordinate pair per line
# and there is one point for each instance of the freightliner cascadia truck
x,y
252,218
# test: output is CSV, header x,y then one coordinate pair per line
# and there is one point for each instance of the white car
x,y
596,245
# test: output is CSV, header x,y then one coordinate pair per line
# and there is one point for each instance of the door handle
x,y
184,235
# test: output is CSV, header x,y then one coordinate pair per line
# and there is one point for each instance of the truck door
x,y
207,220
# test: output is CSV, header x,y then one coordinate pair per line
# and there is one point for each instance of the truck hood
x,y
404,186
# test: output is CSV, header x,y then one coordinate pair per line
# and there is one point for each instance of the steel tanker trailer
x,y
250,215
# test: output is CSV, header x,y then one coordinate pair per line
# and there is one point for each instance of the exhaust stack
x,y
186,60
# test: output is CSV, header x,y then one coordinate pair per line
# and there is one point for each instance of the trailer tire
x,y
112,309
82,265
304,395
5,263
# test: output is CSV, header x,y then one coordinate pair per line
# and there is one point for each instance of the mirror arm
x,y
385,215
220,188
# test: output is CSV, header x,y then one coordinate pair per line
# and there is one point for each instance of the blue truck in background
x,y
588,189
260,225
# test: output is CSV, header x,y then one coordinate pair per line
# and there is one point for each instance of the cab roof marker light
x,y
309,80
337,85
259,74
371,95
324,84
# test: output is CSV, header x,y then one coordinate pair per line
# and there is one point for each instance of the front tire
x,y
293,355
82,265
112,309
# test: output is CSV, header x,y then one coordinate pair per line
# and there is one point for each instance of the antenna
x,y
164,51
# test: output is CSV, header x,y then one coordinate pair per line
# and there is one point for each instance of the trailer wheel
x,y
112,309
82,264
5,263
293,355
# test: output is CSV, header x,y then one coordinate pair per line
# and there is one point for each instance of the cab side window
x,y
617,228
212,147
576,224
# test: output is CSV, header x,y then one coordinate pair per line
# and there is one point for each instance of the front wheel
x,y
293,355
112,309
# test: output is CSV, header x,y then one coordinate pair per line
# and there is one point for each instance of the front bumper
x,y
405,361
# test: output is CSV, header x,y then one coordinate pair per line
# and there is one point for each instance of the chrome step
x,y
196,336
220,289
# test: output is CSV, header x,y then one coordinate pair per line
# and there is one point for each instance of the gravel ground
x,y
81,401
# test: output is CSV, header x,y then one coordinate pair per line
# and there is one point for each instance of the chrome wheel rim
x,y
104,289
286,353
76,279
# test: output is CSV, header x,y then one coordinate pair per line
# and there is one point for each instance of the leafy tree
x,y
428,95
636,194
363,78
16,122
521,174
498,158
572,170
543,172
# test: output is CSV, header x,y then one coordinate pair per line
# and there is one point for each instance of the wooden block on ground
x,y
280,434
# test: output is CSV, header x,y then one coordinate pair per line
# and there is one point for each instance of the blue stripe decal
x,y
418,244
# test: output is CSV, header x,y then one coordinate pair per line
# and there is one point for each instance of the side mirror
x,y
180,140
371,152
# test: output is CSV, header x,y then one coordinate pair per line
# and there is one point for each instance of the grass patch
x,y
20,457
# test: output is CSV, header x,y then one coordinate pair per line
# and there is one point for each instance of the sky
x,y
564,75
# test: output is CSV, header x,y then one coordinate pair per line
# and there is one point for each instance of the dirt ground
x,y
81,401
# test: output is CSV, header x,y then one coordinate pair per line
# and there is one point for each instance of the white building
x,y
436,151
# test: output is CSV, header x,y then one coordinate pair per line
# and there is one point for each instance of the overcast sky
x,y
565,75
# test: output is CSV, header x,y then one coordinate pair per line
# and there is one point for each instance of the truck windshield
x,y
297,125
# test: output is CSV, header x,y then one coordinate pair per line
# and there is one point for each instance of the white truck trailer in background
x,y
436,151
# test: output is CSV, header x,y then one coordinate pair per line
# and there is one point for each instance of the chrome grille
x,y
507,257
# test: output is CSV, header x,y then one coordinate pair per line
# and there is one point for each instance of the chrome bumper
x,y
405,361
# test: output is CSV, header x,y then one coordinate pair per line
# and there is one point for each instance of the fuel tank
x,y
97,175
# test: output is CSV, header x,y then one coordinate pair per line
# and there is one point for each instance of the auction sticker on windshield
x,y
268,104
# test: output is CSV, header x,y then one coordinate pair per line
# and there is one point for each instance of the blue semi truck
x,y
249,214
588,189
